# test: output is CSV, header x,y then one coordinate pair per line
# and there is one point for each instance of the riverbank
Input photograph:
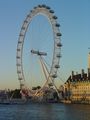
x,y
75,102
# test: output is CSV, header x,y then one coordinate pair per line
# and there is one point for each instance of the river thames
x,y
47,111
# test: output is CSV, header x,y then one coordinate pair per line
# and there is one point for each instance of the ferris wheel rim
x,y
56,37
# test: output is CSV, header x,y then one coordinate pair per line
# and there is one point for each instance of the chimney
x,y
89,60
89,66
88,73
82,73
72,75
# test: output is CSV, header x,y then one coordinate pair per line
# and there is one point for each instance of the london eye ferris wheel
x,y
50,73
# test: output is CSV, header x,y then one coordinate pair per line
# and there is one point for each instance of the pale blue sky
x,y
74,17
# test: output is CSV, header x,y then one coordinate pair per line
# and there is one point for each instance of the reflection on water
x,y
45,112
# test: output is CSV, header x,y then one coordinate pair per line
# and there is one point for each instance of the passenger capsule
x,y
18,64
21,35
54,75
59,44
35,7
18,57
57,66
54,17
18,49
51,11
58,55
28,15
21,85
23,28
59,34
31,11
20,78
19,42
40,6
44,5
25,21
48,7
50,84
18,71
57,25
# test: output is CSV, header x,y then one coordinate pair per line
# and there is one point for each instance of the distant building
x,y
3,95
77,86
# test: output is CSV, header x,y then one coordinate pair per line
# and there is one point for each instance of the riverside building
x,y
77,86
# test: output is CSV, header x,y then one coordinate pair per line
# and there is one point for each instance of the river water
x,y
49,111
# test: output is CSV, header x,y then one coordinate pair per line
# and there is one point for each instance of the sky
x,y
74,18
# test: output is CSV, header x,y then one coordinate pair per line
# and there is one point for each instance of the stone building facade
x,y
77,87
